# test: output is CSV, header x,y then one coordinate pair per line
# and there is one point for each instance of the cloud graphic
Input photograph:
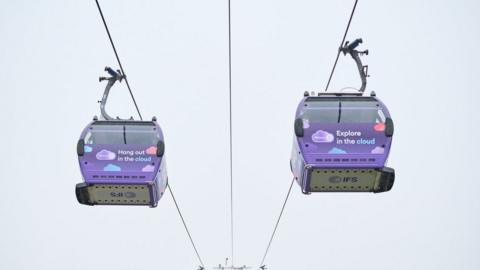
x,y
87,149
336,150
306,123
105,155
148,168
378,150
322,137
152,150
379,127
112,168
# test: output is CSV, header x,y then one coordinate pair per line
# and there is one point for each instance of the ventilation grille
x,y
120,194
127,187
120,201
346,180
118,176
341,188
350,160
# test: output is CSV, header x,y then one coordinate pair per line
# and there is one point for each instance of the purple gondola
x,y
122,161
342,140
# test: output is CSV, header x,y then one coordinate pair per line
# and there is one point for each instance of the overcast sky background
x,y
424,64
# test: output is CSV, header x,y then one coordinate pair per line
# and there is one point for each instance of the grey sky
x,y
424,66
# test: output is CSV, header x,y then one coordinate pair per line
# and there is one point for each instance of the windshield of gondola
x,y
343,110
122,133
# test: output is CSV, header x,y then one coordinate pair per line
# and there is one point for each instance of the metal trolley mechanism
x,y
342,140
121,160
115,76
350,48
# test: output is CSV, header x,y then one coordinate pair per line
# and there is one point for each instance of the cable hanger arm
x,y
350,48
115,76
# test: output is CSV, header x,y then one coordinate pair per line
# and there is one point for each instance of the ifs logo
x,y
339,179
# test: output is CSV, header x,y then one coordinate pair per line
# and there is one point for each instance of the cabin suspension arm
x,y
115,76
349,48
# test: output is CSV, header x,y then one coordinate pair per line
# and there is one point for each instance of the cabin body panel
x,y
121,165
343,143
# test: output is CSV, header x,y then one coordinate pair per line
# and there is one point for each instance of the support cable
x,y
185,225
341,45
230,122
262,266
118,59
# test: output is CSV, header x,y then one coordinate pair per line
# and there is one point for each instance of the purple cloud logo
x,y
306,123
105,155
378,150
112,168
148,168
322,137
336,150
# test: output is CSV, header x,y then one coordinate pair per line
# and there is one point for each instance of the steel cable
x,y
341,44
276,224
118,59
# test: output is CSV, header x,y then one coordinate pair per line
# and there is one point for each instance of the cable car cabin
x,y
121,163
342,143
